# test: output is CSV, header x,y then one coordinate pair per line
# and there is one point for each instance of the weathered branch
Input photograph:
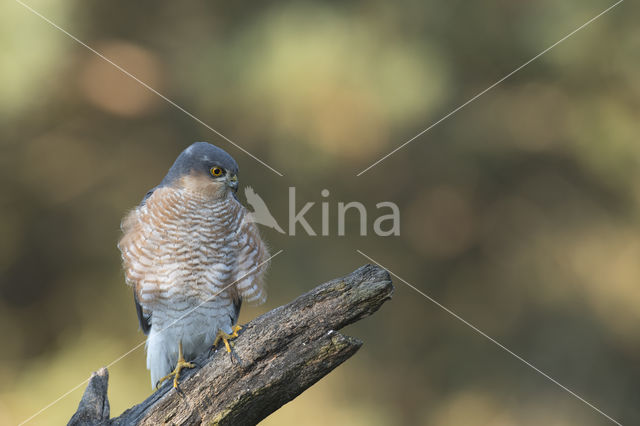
x,y
277,356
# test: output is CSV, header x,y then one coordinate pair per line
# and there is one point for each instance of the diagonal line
x,y
494,341
61,397
145,85
143,342
490,87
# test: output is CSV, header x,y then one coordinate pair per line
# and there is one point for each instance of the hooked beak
x,y
233,183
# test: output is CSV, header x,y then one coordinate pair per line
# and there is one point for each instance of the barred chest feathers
x,y
191,248
180,254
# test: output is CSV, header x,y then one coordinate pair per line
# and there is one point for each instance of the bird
x,y
192,256
260,213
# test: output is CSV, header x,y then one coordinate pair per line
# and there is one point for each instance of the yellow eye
x,y
216,171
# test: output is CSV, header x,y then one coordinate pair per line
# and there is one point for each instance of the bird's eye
x,y
216,171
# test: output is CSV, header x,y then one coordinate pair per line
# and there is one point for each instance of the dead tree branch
x,y
278,356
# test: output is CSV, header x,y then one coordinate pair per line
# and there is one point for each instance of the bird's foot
x,y
181,364
226,338
176,372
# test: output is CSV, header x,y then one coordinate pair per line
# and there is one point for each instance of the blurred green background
x,y
521,212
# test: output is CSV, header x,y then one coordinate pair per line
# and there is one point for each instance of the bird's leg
x,y
179,366
226,338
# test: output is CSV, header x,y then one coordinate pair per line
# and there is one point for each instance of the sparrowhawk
x,y
192,258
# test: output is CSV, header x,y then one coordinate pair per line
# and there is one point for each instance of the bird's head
x,y
205,169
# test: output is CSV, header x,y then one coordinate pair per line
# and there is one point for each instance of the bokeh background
x,y
521,212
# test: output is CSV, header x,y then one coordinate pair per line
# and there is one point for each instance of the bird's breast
x,y
183,248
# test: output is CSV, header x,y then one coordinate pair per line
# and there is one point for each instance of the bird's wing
x,y
131,232
132,236
147,195
143,318
252,264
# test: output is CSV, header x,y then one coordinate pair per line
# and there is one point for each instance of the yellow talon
x,y
227,337
179,366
